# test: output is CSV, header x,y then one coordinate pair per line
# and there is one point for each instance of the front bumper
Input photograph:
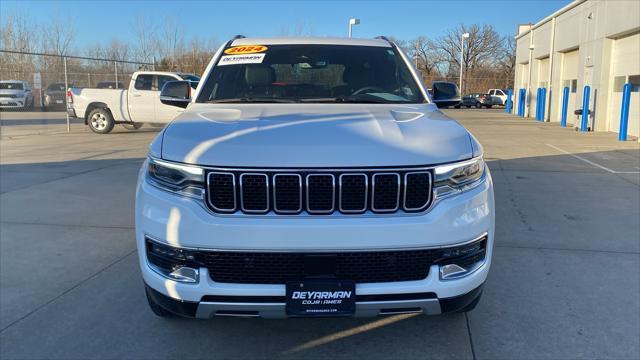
x,y
13,103
183,222
273,307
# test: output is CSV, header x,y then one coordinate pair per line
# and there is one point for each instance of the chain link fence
x,y
48,76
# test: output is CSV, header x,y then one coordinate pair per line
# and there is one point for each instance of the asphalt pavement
x,y
565,281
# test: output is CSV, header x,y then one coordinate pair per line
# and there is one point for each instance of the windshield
x,y
11,86
311,73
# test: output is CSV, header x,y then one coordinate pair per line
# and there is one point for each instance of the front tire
x,y
478,105
100,121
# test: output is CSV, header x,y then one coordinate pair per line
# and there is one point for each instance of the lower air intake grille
x,y
278,268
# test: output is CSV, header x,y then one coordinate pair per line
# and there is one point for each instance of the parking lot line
x,y
591,162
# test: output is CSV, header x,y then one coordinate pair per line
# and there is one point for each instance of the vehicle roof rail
x,y
381,37
239,37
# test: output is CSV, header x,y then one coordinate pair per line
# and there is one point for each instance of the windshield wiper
x,y
345,100
252,100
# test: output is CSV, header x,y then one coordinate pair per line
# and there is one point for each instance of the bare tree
x,y
146,39
58,35
480,50
171,43
425,55
17,34
506,63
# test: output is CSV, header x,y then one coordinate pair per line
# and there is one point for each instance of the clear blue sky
x,y
101,21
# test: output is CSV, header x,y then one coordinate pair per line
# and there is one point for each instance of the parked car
x,y
101,109
499,96
312,178
54,96
110,85
15,94
477,100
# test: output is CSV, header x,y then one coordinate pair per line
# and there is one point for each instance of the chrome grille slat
x,y
282,205
418,190
220,194
257,193
313,192
387,190
349,190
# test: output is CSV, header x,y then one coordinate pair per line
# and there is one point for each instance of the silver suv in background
x,y
15,94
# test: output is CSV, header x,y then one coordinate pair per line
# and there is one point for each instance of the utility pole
x,y
352,21
464,36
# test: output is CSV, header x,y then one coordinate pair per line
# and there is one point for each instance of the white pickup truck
x,y
101,109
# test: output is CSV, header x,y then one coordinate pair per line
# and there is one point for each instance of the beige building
x,y
587,42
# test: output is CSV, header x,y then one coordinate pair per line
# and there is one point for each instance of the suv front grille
x,y
319,193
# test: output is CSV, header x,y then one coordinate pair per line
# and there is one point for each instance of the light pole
x,y
464,36
352,21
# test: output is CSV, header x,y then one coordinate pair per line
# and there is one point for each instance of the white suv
x,y
312,177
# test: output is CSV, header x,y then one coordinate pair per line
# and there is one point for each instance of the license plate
x,y
58,101
321,298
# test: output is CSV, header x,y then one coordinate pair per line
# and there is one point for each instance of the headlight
x,y
181,179
458,177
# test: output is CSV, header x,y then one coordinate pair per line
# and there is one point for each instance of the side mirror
x,y
176,93
445,94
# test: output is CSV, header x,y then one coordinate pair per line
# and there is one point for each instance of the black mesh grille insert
x,y
278,268
353,192
417,190
287,193
385,192
254,192
222,191
320,193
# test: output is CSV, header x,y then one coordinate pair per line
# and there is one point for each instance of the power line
x,y
73,57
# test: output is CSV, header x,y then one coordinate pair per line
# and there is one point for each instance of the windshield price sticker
x,y
246,49
241,59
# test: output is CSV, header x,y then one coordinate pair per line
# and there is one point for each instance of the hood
x,y
314,135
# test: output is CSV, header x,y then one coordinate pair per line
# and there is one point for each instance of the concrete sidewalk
x,y
565,281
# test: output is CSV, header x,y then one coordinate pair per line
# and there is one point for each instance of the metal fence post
x,y
509,102
585,108
115,65
565,104
89,79
66,89
624,112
